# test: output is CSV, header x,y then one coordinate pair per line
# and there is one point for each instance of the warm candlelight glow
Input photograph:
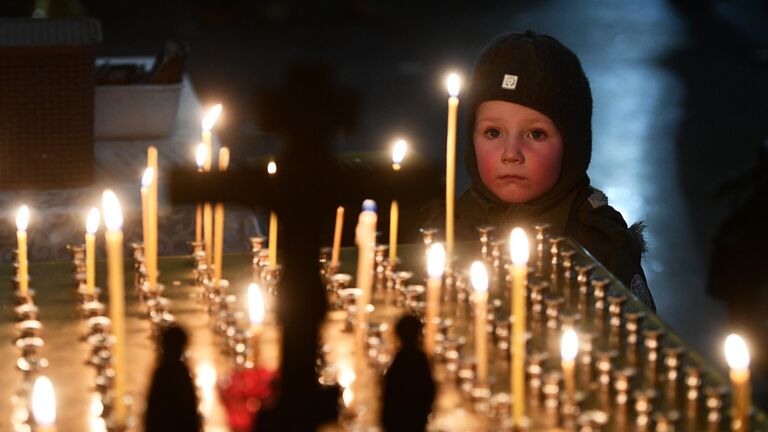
x,y
146,179
271,167
22,218
93,221
518,246
210,119
569,345
346,377
398,153
255,304
113,214
201,155
736,352
453,83
43,402
436,261
479,276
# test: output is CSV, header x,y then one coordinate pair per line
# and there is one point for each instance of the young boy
x,y
530,117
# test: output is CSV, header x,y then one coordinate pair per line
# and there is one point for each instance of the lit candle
x,y
44,405
150,251
256,315
22,221
146,218
113,219
346,378
398,153
453,85
208,122
91,226
737,355
272,169
200,158
569,347
479,276
435,269
518,251
337,237
218,237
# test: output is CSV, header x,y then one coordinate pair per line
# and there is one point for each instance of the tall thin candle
x,y
737,355
151,251
218,237
453,84
518,250
337,231
398,153
272,170
569,347
365,237
479,276
91,226
435,270
208,122
256,316
113,219
22,222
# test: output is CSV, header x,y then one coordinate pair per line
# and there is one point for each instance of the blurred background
x,y
680,108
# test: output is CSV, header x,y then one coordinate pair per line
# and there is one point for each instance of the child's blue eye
x,y
492,133
537,134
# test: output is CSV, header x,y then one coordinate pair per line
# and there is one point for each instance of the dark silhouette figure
x,y
409,389
172,402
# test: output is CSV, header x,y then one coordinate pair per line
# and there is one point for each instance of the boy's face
x,y
519,151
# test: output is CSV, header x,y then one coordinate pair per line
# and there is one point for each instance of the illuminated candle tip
x,y
255,304
479,276
518,246
93,221
398,152
43,402
736,352
113,214
453,83
436,260
569,345
22,218
271,167
201,154
210,119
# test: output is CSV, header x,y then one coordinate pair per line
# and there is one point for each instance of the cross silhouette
x,y
307,113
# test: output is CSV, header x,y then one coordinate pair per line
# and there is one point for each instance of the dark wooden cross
x,y
307,113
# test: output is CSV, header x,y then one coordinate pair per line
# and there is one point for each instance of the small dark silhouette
x,y
409,389
172,402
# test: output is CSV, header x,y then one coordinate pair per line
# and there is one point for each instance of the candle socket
x,y
400,279
592,421
652,341
693,383
634,320
644,408
666,421
428,235
502,334
551,390
553,312
604,365
566,256
616,310
714,397
541,236
585,357
536,291
485,236
380,268
535,368
496,260
554,253
26,310
622,384
672,361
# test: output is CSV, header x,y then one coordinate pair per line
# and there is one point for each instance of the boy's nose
x,y
512,153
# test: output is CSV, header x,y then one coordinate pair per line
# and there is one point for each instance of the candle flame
x,y
436,260
453,83
149,175
43,402
479,276
97,407
93,221
569,345
271,167
518,246
201,155
255,304
346,377
398,153
113,214
22,218
210,119
348,396
736,352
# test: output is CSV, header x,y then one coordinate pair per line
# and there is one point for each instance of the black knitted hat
x,y
539,72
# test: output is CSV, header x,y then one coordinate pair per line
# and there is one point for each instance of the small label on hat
x,y
509,82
